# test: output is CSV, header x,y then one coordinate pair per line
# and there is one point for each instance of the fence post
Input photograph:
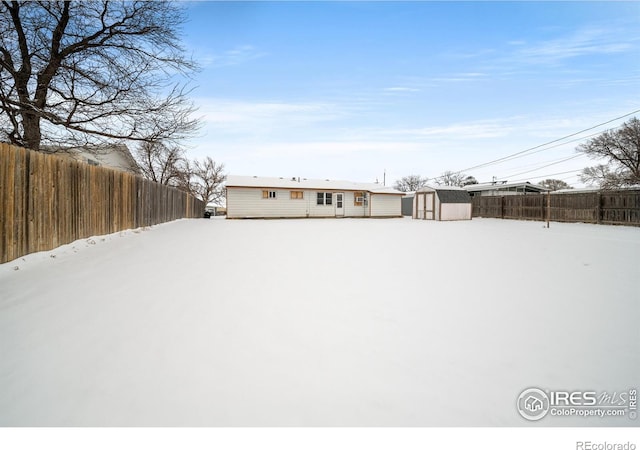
x,y
599,207
502,207
548,207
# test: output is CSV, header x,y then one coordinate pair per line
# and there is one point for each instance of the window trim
x,y
324,198
269,195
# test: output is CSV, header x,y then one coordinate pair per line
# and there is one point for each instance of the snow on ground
x,y
318,323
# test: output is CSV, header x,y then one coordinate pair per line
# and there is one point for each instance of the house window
x,y
268,194
324,198
297,195
358,198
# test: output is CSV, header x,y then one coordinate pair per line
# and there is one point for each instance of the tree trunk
x,y
31,133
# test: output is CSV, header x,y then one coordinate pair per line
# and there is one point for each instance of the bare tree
x,y
84,71
554,185
468,180
449,178
410,183
205,180
162,163
604,177
621,149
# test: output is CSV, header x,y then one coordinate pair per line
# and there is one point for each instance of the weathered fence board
x,y
620,207
47,201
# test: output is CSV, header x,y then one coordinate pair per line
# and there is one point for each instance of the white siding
x,y
386,205
455,211
351,210
249,203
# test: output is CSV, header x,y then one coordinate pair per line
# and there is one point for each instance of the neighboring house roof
x,y
448,194
530,187
576,191
588,190
304,183
113,156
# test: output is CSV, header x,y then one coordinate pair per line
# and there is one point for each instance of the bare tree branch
x,y
410,183
206,180
90,70
621,149
164,164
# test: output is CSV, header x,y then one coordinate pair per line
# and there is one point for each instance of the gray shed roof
x,y
453,196
448,194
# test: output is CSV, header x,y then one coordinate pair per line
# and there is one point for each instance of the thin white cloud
x,y
244,116
586,42
232,57
460,131
335,147
460,77
401,89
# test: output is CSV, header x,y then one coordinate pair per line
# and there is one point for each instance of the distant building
x,y
503,188
113,156
264,197
407,203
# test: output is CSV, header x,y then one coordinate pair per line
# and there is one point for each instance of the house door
x,y
340,204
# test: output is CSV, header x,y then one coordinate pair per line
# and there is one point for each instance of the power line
x,y
556,161
546,165
508,157
548,175
536,165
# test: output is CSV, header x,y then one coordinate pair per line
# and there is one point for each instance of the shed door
x,y
340,204
429,205
419,206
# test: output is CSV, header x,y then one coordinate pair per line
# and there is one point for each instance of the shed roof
x,y
304,183
453,196
448,194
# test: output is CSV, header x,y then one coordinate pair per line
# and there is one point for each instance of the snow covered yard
x,y
345,322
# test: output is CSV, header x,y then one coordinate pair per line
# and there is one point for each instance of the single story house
x,y
266,197
442,203
112,156
503,188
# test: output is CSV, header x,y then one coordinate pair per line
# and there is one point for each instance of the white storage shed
x,y
442,203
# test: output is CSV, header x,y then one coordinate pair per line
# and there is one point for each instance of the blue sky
x,y
349,90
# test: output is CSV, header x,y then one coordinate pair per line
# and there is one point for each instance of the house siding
x,y
386,205
249,203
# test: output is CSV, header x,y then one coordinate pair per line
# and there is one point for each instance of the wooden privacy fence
x,y
607,207
47,201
